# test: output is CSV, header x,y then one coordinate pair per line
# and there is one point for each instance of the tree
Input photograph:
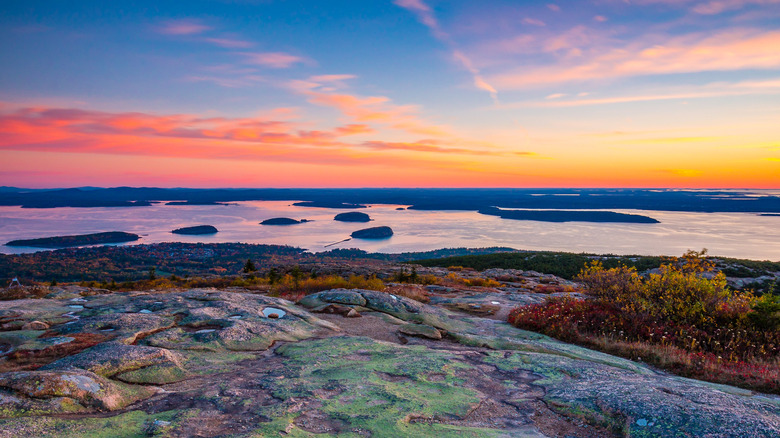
x,y
273,276
249,267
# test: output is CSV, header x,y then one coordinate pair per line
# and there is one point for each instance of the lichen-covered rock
x,y
645,404
420,330
126,328
397,306
112,358
42,392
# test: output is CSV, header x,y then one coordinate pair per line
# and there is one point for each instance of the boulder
x,y
44,392
112,358
35,325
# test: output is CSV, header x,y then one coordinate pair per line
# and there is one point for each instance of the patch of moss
x,y
127,425
379,387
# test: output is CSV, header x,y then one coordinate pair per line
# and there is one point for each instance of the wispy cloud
x,y
183,27
427,17
229,43
725,51
719,6
371,109
718,89
273,59
534,22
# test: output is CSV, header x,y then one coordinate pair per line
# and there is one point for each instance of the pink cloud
x,y
273,59
183,27
534,22
732,50
719,6
229,43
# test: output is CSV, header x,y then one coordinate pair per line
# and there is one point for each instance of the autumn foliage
x,y
683,318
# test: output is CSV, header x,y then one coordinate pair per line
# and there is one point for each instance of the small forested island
x,y
352,216
373,233
283,221
195,202
78,240
196,230
328,204
569,216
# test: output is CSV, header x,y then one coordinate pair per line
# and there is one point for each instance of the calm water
x,y
743,235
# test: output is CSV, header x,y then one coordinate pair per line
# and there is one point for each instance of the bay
x,y
740,235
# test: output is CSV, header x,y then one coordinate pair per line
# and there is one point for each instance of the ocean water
x,y
741,235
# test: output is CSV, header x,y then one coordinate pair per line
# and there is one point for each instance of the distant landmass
x,y
569,216
352,216
196,230
706,201
78,240
373,233
283,221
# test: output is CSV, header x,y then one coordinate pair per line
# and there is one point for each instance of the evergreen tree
x,y
249,266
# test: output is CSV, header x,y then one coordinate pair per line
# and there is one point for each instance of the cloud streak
x,y
183,27
725,51
426,16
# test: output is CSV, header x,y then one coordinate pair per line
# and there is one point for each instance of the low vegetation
x,y
684,319
563,264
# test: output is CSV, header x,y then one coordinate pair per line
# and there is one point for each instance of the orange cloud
x,y
185,136
373,109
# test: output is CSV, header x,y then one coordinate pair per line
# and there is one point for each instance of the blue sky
x,y
639,93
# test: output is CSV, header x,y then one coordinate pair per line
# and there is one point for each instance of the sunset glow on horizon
x,y
404,93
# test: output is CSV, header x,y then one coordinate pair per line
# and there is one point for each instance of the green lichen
x,y
375,386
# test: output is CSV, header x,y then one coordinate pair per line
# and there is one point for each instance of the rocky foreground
x,y
353,363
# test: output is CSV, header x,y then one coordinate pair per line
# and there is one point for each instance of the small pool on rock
x,y
268,312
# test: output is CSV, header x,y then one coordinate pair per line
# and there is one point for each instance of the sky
x,y
390,93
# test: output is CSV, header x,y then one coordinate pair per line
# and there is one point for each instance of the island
x,y
196,230
78,240
569,216
352,216
283,221
197,203
373,233
328,204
